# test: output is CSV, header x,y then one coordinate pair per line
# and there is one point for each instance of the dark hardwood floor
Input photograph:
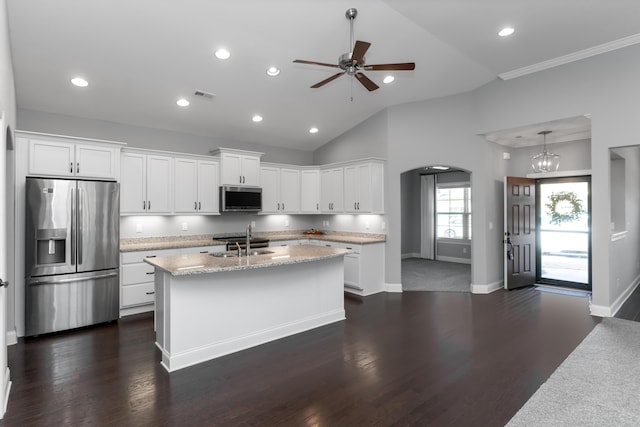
x,y
412,359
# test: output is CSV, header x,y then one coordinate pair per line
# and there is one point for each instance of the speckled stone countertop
x,y
177,242
183,265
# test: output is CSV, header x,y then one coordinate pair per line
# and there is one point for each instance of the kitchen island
x,y
208,306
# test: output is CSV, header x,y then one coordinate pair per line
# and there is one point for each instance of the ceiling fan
x,y
353,63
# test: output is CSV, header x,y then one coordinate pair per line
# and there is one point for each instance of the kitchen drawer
x,y
202,249
132,257
137,273
140,294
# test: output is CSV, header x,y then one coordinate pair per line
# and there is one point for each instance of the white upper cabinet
x,y
280,189
310,191
146,183
71,158
331,190
195,186
363,188
239,167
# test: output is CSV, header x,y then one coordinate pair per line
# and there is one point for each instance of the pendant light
x,y
545,161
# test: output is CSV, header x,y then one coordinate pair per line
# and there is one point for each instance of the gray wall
x,y
411,212
156,139
369,139
574,156
446,131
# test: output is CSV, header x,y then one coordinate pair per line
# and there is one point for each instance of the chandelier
x,y
545,161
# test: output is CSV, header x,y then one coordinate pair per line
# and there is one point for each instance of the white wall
x,y
445,131
369,139
156,139
574,156
8,109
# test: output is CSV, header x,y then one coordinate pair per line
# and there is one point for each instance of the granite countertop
x,y
177,242
183,265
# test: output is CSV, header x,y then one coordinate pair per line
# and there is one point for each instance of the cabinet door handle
x,y
358,205
199,205
71,167
195,206
282,205
240,179
150,293
78,167
148,204
144,205
317,206
151,272
354,205
277,206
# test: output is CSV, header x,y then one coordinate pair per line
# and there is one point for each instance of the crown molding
x,y
575,56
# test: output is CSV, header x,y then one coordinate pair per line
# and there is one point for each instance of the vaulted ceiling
x,y
141,56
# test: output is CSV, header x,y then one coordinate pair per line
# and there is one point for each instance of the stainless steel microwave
x,y
240,199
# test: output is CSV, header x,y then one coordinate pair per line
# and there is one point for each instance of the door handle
x,y
4,283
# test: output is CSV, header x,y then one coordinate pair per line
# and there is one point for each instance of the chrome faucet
x,y
248,238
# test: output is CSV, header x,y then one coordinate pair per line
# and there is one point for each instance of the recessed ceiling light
x,y
388,79
440,168
182,102
273,71
506,31
79,81
313,130
257,118
223,53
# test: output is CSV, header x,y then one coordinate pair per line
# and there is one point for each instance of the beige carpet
x,y
420,274
597,385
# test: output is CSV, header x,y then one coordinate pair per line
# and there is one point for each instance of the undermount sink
x,y
259,252
224,254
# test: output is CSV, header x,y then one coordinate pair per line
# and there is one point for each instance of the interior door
x,y
520,232
5,382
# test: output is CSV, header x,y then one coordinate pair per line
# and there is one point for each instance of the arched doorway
x,y
436,229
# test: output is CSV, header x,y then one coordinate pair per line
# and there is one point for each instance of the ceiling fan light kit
x,y
353,63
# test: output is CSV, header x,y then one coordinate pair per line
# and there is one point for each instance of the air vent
x,y
203,94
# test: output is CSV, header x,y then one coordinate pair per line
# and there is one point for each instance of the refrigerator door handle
x,y
53,281
73,226
79,221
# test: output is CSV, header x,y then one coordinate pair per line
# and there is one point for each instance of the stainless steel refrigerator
x,y
72,248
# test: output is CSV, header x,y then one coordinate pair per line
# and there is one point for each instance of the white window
x,y
453,211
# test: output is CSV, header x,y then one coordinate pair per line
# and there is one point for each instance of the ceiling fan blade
x,y
325,81
366,82
359,49
390,67
324,64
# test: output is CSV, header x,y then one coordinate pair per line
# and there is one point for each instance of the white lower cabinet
x,y
137,277
363,266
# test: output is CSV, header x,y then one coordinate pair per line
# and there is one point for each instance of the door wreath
x,y
564,206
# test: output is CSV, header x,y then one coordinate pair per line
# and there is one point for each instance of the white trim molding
x,y
393,287
488,288
572,57
12,336
610,311
6,385
454,259
410,255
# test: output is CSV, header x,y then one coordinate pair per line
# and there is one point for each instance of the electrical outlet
x,y
383,225
185,226
286,222
138,228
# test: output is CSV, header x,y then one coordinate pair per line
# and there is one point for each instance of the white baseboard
x,y
6,386
393,287
486,289
12,337
454,259
610,311
411,255
136,310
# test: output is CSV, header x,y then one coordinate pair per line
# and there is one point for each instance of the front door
x,y
520,232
